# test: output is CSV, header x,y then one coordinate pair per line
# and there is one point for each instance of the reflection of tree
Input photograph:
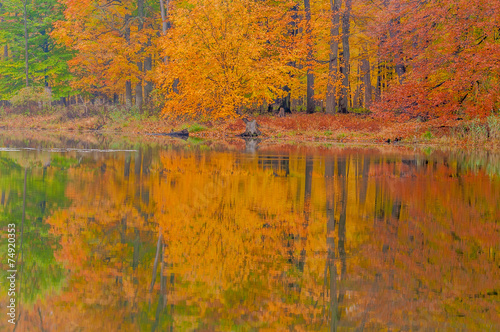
x,y
30,195
435,232
251,241
336,256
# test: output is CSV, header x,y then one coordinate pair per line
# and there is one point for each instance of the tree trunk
x,y
128,84
346,57
334,53
26,43
310,108
128,93
251,128
163,11
6,52
164,20
367,81
140,25
148,88
138,89
378,91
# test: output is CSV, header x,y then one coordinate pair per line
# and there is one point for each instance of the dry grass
x,y
345,128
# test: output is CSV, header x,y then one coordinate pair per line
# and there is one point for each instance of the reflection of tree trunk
x,y
20,252
41,320
137,248
160,306
364,181
330,195
343,171
330,241
286,165
159,250
163,279
334,303
172,283
126,167
307,210
393,231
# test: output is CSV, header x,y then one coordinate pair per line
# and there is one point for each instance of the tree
x,y
25,29
310,105
331,94
449,67
345,58
225,56
110,48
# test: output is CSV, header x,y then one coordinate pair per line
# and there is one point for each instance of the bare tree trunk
x,y
128,84
6,52
164,20
148,88
163,11
26,43
367,81
310,108
138,88
346,57
378,91
334,53
159,250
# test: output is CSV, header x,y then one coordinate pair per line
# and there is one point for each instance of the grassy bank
x,y
340,128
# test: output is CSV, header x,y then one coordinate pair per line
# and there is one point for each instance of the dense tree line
x,y
413,58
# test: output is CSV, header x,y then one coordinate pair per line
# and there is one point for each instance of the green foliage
x,y
41,273
427,135
196,127
359,110
341,136
47,61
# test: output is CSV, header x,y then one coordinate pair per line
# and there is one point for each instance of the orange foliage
x,y
107,43
225,56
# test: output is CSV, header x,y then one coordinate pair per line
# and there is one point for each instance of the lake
x,y
189,235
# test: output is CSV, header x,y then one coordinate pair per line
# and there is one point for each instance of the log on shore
x,y
183,133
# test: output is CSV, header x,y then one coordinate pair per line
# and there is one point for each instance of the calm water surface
x,y
185,237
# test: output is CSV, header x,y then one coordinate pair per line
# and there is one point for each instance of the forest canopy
x,y
217,58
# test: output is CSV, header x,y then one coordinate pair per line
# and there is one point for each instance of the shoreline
x,y
294,129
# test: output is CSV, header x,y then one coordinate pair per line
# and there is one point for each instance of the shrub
x,y
478,131
494,126
428,135
31,97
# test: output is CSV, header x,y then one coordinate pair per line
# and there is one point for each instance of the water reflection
x,y
185,238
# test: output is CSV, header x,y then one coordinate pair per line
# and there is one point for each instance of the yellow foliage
x,y
225,56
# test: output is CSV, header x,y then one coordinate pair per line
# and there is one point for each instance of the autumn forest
x,y
221,58
248,165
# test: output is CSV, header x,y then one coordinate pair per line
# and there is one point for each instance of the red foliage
x,y
451,53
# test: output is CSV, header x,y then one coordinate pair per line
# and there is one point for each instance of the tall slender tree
x,y
333,61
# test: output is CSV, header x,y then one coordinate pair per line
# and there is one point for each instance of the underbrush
x,y
478,131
